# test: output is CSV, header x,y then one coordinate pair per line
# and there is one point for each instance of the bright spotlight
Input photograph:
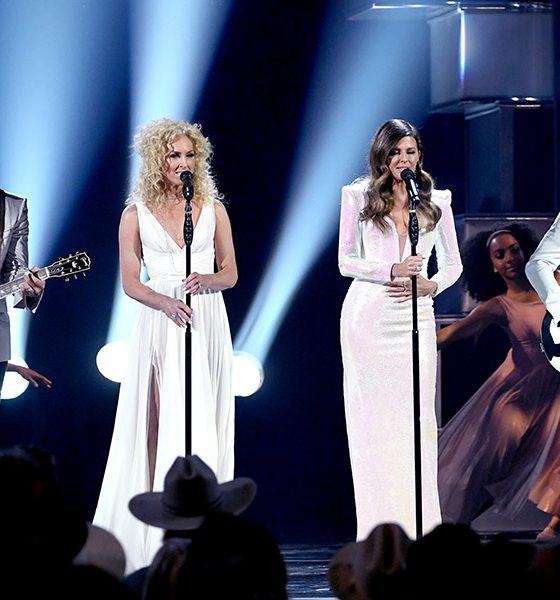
x,y
112,360
248,375
14,384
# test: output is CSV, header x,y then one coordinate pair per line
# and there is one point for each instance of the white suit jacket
x,y
541,266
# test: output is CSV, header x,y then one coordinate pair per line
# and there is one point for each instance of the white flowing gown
x,y
158,348
376,344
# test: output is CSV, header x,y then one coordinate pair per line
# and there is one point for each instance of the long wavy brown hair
x,y
153,144
379,191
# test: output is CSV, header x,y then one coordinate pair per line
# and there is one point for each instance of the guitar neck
x,y
11,287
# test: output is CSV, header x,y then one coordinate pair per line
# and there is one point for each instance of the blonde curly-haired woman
x,y
149,431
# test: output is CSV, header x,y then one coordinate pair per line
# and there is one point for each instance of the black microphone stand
x,y
188,193
413,235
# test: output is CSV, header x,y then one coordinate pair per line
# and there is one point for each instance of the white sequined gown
x,y
158,346
376,343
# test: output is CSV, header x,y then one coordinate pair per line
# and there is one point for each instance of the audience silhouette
x,y
163,580
209,551
451,560
190,493
235,558
374,567
41,535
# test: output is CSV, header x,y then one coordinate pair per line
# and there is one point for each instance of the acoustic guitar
x,y
65,267
550,340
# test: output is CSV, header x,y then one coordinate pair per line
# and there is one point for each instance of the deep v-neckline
x,y
399,237
165,232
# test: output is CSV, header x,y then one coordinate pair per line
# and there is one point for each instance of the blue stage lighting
x,y
172,46
362,78
248,374
14,384
462,50
57,61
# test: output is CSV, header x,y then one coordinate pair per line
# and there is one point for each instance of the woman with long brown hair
x,y
376,325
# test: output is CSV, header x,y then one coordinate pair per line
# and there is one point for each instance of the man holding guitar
x,y
541,271
14,253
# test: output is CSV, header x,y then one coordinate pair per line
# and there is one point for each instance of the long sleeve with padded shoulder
x,y
365,252
352,261
449,264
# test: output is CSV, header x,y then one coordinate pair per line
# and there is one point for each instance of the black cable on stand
x,y
188,193
413,198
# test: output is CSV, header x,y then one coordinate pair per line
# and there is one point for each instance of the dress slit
x,y
153,425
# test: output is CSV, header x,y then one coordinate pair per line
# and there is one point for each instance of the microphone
x,y
188,187
407,175
188,193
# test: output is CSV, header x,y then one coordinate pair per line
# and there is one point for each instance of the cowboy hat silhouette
x,y
190,492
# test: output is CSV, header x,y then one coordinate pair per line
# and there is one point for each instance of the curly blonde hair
x,y
153,144
379,192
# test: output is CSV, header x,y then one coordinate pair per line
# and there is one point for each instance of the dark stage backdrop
x,y
291,435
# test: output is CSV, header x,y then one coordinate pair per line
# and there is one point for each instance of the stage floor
x,y
307,566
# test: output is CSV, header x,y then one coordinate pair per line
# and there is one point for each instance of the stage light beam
x,y
173,43
55,111
338,125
